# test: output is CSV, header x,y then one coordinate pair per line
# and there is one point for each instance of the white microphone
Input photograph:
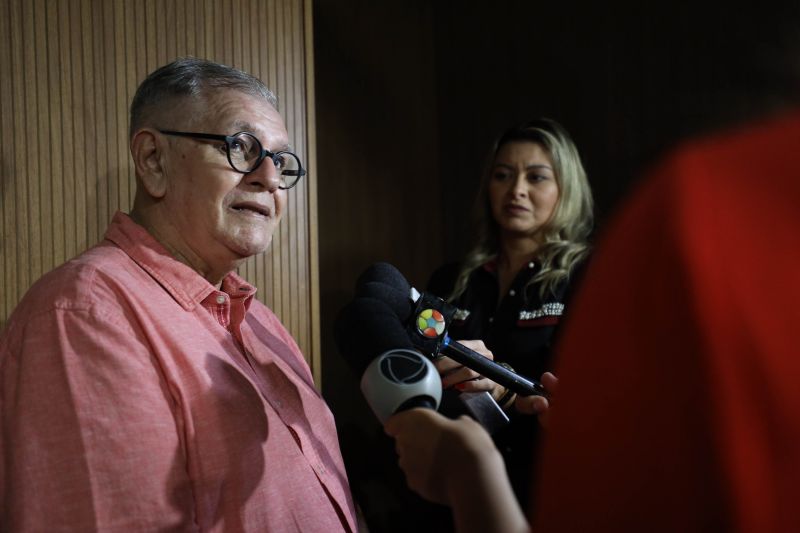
x,y
398,380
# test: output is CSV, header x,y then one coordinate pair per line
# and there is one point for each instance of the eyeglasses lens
x,y
289,167
244,152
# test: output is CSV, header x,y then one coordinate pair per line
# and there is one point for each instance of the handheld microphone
x,y
399,377
427,318
398,380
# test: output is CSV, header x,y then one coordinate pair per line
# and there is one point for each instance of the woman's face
x,y
523,192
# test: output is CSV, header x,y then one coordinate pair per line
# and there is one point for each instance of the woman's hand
x,y
539,405
465,379
438,454
455,463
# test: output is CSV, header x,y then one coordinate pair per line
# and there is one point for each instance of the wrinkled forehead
x,y
229,111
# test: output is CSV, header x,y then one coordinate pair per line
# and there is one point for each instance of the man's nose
x,y
266,176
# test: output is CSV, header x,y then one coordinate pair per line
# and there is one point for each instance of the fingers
x,y
532,405
460,374
478,346
418,435
465,379
550,382
479,384
446,365
539,405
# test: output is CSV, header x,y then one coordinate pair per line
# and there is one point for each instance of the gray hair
x,y
190,78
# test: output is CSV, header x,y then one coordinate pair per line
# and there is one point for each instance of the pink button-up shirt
x,y
136,396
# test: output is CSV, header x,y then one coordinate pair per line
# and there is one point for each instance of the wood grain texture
x,y
68,71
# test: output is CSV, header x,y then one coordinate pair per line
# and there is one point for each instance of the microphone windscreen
x,y
364,329
384,273
399,380
397,300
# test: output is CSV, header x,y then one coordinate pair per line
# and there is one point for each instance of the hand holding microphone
x,y
463,378
427,318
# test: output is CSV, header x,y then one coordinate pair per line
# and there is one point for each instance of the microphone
x,y
365,328
386,274
427,318
400,377
398,380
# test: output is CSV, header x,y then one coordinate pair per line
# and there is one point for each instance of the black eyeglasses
x,y
245,154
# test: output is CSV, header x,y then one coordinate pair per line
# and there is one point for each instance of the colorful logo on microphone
x,y
430,323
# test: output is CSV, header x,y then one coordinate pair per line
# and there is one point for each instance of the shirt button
x,y
491,319
220,299
531,264
512,292
279,403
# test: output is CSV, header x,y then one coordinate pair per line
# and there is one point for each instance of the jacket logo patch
x,y
552,309
461,315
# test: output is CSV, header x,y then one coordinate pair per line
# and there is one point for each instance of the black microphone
x,y
395,376
364,329
384,273
427,318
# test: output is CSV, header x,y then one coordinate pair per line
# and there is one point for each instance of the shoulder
x,y
755,159
88,282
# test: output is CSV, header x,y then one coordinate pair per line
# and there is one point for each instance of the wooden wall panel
x,y
68,71
379,194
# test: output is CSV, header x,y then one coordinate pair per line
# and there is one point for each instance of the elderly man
x,y
143,385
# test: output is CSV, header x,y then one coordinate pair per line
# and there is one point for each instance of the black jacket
x,y
519,331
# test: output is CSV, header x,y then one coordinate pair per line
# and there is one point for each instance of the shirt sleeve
x,y
90,436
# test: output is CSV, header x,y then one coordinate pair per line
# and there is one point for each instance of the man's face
x,y
221,215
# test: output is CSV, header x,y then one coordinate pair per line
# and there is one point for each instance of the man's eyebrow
x,y
243,125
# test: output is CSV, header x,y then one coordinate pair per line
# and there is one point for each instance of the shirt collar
x,y
182,282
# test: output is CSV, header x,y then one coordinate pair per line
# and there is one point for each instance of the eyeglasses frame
x,y
263,154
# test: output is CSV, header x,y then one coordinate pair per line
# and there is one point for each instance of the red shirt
x,y
679,404
136,396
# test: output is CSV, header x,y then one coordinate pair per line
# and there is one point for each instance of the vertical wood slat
x,y
32,166
74,230
55,147
81,181
7,165
42,111
314,317
68,70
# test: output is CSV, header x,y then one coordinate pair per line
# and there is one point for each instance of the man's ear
x,y
147,152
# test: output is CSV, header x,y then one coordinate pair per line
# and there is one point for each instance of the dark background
x,y
410,94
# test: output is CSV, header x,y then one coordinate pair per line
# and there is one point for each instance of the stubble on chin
x,y
249,241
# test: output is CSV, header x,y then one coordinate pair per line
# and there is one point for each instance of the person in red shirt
x,y
142,386
678,407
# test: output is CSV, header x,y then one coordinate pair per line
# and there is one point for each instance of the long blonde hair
x,y
565,236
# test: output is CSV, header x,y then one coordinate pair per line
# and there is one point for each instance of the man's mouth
x,y
251,208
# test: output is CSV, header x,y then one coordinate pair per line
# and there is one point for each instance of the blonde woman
x,y
534,216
